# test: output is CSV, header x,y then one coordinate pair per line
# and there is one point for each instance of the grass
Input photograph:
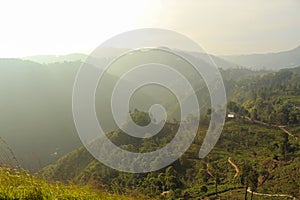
x,y
18,184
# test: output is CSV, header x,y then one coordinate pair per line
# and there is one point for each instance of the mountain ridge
x,y
270,61
267,61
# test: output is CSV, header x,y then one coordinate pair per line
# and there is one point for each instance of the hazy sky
x,y
220,26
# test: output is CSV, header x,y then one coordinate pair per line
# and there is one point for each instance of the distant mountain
x,y
269,61
109,51
220,62
46,59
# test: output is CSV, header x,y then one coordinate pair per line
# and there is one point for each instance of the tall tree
x,y
249,178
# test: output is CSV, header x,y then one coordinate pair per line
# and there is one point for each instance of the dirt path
x,y
208,171
235,167
273,125
271,195
286,131
226,190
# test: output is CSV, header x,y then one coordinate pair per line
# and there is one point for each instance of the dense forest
x,y
272,99
257,155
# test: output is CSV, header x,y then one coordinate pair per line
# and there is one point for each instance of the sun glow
x,y
223,27
61,27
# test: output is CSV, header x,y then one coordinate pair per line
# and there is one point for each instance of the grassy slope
x,y
21,185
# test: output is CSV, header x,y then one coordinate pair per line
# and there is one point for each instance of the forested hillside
x,y
258,153
36,104
273,99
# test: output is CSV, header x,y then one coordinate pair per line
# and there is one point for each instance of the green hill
x,y
251,154
268,150
36,104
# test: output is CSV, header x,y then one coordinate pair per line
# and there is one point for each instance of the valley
x,y
257,155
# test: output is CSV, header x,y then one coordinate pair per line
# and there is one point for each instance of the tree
x,y
249,178
285,146
253,114
203,175
233,107
216,176
203,189
171,180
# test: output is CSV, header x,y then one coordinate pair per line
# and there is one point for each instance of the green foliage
x,y
21,185
267,157
273,98
248,143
